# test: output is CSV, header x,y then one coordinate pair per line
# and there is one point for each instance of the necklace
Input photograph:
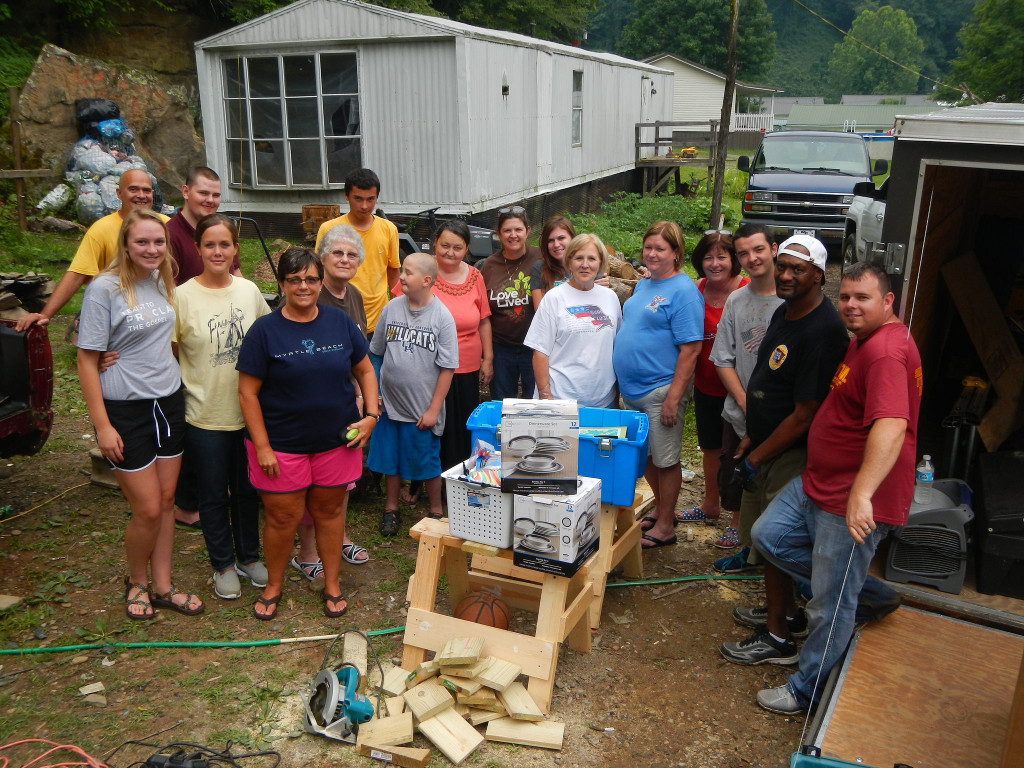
x,y
508,271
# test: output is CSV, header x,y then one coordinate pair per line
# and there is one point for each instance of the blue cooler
x,y
618,462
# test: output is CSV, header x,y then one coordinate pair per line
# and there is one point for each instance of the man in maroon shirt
x,y
202,197
824,527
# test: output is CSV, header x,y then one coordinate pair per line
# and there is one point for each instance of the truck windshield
x,y
795,154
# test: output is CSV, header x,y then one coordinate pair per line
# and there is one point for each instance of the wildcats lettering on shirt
x,y
591,312
410,337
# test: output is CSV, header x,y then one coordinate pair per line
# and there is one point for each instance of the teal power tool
x,y
333,708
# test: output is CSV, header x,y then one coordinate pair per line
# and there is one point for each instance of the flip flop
x,y
350,554
270,603
658,542
335,599
166,601
137,600
648,522
194,526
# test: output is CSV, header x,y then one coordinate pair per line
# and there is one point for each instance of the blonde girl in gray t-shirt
x,y
136,404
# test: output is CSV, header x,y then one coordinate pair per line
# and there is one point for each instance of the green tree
x,y
990,57
605,24
697,30
856,69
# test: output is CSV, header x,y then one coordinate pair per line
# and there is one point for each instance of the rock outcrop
x,y
156,111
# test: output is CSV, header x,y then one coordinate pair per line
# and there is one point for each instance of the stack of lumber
x,y
23,292
447,698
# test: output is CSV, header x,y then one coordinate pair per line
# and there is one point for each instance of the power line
x,y
879,53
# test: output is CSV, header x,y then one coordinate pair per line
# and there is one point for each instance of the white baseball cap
x,y
815,248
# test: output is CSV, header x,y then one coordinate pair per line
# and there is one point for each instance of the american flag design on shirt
x,y
590,312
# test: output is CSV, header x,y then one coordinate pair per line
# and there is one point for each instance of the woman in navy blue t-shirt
x,y
295,387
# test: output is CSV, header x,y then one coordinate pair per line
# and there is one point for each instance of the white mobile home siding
x,y
434,123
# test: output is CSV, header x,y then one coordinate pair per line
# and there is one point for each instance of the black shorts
x,y
149,429
707,412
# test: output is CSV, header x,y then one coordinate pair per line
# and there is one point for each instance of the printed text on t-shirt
x,y
410,337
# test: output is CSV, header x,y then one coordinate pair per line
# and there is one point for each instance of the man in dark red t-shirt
x,y
824,527
201,192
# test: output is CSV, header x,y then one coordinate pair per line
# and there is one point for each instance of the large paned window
x,y
292,120
577,108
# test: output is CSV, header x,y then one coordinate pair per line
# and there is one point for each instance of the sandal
x,y
350,554
137,600
411,496
728,540
390,522
270,603
312,571
648,522
694,515
334,599
166,600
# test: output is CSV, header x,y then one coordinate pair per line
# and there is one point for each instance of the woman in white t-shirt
x,y
213,312
136,406
573,332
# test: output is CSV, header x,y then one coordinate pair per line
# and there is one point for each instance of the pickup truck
x,y
801,182
26,389
864,221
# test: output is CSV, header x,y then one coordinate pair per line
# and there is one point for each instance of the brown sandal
x,y
269,603
137,600
166,600
335,599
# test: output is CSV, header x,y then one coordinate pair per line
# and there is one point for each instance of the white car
x,y
864,221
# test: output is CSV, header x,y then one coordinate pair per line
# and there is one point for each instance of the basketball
x,y
483,608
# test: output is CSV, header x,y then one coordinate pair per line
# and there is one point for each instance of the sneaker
x,y
779,700
760,648
255,573
757,618
728,540
734,563
870,610
226,585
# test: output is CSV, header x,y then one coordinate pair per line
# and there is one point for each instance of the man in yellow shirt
x,y
98,247
378,273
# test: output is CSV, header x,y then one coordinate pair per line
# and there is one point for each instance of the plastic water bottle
x,y
925,478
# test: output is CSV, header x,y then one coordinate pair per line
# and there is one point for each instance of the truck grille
x,y
799,205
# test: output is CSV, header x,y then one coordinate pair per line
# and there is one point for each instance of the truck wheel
x,y
849,250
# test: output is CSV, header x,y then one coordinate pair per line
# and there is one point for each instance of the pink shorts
x,y
298,471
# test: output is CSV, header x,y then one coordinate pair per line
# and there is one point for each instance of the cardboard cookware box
x,y
539,446
556,534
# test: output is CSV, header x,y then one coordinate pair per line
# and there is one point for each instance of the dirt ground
x,y
653,692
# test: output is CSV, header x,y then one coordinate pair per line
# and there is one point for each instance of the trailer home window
x,y
292,121
577,108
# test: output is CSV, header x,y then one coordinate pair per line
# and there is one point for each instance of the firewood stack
x,y
23,292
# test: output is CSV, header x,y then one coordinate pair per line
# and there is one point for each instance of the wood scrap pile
x,y
23,292
446,699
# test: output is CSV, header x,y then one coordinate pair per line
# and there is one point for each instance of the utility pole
x,y
722,145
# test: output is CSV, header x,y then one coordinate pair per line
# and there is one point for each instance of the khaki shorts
x,y
775,475
664,443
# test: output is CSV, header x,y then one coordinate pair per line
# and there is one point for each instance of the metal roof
x,y
980,123
881,116
414,25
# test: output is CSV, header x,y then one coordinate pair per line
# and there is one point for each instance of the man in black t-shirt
x,y
801,349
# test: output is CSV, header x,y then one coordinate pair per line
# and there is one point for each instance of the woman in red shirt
x,y
715,261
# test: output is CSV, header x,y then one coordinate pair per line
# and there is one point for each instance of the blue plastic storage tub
x,y
618,466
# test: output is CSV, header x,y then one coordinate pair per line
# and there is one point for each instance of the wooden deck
x,y
925,690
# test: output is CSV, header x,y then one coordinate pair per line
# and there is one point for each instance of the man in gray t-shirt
x,y
415,344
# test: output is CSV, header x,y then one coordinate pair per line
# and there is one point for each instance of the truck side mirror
x,y
864,189
743,163
881,166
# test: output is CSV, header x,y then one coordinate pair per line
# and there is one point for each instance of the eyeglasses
x,y
718,232
297,281
350,255
515,210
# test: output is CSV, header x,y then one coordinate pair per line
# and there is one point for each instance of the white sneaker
x,y
256,573
226,585
779,700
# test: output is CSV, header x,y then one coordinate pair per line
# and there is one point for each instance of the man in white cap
x,y
824,527
800,352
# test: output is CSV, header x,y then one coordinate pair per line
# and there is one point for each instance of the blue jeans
x,y
512,365
228,504
814,547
